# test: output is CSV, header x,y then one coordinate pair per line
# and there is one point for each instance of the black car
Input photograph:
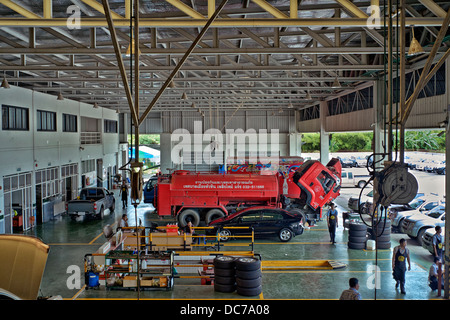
x,y
264,220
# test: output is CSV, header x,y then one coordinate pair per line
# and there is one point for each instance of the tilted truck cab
x,y
318,185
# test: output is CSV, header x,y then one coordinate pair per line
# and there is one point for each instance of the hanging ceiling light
x,y
308,96
336,84
415,48
193,105
184,96
60,96
5,83
290,106
130,49
96,105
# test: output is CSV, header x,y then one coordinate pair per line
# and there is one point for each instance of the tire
x,y
357,227
189,215
249,283
113,206
361,184
225,288
248,264
420,235
383,238
250,292
224,262
225,235
357,239
213,214
101,213
224,272
353,233
285,235
225,280
248,275
383,245
357,245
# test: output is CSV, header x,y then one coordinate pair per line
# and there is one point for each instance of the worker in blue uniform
x,y
332,222
399,257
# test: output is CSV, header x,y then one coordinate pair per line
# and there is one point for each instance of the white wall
x,y
26,151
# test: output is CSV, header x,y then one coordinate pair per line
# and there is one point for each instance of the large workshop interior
x,y
232,202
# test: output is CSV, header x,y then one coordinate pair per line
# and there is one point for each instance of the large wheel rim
x,y
224,235
285,235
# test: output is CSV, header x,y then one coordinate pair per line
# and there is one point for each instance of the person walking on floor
x,y
437,242
332,218
352,293
124,193
399,257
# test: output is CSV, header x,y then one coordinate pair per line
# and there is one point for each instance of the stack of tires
x,y
242,275
382,234
357,236
248,276
224,274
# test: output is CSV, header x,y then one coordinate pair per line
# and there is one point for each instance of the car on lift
x,y
416,225
265,221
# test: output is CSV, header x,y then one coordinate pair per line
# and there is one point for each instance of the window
x,y
14,118
272,215
69,123
110,126
46,120
251,216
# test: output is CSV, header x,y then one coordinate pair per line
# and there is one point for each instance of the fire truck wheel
x,y
213,214
285,235
189,215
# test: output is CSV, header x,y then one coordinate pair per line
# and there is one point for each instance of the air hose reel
x,y
395,184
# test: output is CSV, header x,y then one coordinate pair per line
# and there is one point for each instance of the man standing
x,y
124,194
437,243
351,293
332,222
399,257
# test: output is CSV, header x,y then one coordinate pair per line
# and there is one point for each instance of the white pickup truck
x,y
416,225
91,202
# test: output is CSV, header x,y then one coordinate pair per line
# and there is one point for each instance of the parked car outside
x,y
439,167
416,225
264,221
421,204
348,162
427,239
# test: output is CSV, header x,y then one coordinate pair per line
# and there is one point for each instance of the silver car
x,y
419,205
416,225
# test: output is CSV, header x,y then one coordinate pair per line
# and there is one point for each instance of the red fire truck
x,y
197,196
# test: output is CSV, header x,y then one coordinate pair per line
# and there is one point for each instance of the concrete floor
x,y
70,241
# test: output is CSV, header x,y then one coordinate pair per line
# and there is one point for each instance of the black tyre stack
x,y
248,276
357,236
224,274
383,231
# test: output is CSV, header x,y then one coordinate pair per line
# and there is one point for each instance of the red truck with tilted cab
x,y
205,196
